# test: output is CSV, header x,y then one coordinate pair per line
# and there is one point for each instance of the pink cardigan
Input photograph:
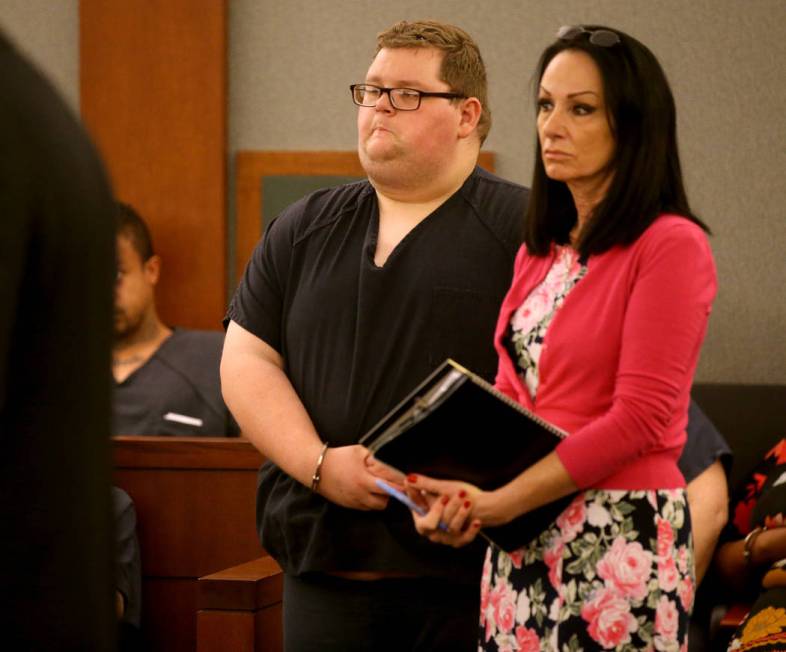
x,y
618,359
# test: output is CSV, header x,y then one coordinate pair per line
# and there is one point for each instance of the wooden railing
x,y
240,608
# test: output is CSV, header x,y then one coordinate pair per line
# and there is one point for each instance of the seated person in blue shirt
x,y
166,379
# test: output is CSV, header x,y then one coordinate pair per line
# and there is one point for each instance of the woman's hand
x,y
450,505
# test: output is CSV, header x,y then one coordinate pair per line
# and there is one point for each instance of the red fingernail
x,y
475,523
445,500
466,504
462,493
412,478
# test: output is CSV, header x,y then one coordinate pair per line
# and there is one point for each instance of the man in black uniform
x,y
56,271
354,295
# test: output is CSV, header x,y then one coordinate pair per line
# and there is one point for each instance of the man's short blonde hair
x,y
462,66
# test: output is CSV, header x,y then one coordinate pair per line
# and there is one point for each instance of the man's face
x,y
134,288
420,141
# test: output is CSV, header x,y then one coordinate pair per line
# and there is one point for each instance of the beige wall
x,y
47,31
291,63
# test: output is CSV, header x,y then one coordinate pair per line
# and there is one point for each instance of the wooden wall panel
x,y
218,631
153,87
195,499
169,608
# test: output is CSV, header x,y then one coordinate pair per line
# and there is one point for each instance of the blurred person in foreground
x,y
56,271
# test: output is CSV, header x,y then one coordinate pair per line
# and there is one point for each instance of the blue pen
x,y
402,497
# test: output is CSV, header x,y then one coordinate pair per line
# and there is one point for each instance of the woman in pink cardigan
x,y
599,334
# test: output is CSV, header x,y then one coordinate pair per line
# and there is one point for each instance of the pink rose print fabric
x,y
614,572
611,622
531,320
626,568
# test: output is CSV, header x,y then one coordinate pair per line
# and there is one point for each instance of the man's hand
x,y
349,478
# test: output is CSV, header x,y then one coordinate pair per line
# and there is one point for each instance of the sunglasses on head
x,y
604,38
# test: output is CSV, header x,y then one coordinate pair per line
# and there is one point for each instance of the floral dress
x,y
615,570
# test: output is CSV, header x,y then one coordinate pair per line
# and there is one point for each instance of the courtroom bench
x,y
195,505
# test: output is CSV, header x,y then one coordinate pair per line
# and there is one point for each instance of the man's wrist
x,y
316,476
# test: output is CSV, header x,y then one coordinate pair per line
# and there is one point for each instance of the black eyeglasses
x,y
403,99
604,38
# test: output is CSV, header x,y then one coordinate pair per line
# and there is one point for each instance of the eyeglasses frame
x,y
421,94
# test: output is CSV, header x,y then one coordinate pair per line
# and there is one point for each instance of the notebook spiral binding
x,y
506,399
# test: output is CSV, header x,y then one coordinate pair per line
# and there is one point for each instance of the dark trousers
x,y
329,614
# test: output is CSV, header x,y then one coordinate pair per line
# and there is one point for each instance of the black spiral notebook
x,y
456,426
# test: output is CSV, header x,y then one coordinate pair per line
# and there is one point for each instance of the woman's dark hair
x,y
647,176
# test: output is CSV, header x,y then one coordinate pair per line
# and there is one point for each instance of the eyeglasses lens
x,y
604,38
403,98
365,95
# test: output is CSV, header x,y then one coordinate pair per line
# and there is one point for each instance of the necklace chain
x,y
129,360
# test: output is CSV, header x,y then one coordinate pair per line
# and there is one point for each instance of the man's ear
x,y
471,110
152,267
